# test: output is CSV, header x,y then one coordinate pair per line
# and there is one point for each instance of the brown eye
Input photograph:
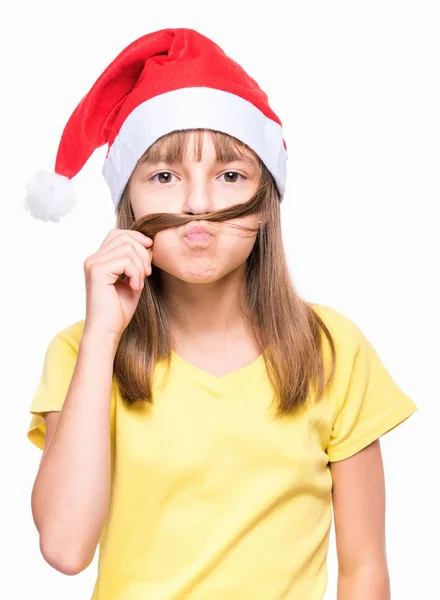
x,y
232,176
165,175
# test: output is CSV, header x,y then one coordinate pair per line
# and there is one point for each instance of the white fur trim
x,y
50,196
188,108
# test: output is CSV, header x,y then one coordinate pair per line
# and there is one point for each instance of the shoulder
x,y
70,335
346,333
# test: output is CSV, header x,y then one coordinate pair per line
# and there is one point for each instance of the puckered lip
x,y
196,228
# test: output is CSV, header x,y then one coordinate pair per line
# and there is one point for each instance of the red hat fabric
x,y
168,80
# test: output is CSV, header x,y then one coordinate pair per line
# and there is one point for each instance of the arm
x,y
71,492
359,513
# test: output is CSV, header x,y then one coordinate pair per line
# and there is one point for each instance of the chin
x,y
194,273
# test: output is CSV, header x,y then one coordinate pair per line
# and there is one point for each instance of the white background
x,y
356,85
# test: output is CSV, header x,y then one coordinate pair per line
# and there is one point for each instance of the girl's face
x,y
196,188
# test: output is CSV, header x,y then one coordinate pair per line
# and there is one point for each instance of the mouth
x,y
197,234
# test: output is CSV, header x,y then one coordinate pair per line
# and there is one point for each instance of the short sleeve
x,y
59,365
371,403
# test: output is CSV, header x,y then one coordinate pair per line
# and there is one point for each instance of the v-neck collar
x,y
218,383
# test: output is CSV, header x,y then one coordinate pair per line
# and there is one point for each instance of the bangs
x,y
171,148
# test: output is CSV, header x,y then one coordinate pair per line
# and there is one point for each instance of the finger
x,y
113,268
145,254
128,253
126,233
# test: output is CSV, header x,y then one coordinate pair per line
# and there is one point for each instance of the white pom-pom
x,y
50,196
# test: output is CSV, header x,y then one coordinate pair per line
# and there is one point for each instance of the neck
x,y
205,312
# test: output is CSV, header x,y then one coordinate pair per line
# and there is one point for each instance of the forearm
x,y
364,584
71,492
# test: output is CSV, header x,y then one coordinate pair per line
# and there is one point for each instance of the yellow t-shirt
x,y
212,497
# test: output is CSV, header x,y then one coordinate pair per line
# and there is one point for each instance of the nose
x,y
197,199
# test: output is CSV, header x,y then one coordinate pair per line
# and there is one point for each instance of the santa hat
x,y
172,79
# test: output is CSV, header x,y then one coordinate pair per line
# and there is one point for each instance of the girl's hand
x,y
111,302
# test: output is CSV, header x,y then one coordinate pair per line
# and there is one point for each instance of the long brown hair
x,y
286,328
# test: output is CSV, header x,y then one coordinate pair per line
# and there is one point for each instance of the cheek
x,y
237,249
166,249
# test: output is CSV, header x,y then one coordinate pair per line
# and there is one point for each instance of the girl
x,y
201,422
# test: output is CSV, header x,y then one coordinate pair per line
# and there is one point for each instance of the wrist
x,y
93,336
